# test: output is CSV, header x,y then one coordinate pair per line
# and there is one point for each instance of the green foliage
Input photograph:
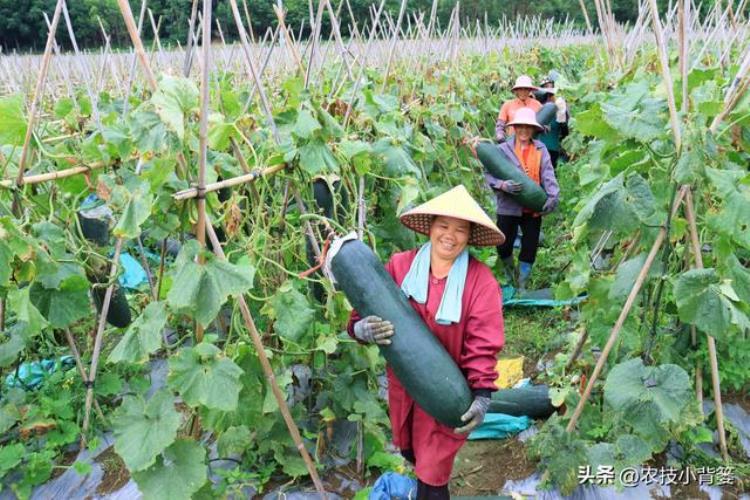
x,y
651,400
12,121
143,429
179,473
291,311
708,303
143,336
203,377
200,289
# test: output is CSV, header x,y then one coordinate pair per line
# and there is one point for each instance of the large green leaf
x,y
177,475
634,113
234,441
628,450
175,98
740,278
143,429
136,212
590,122
306,125
20,302
12,121
291,311
734,218
64,305
142,337
6,263
201,289
632,388
626,275
220,132
11,347
707,302
315,157
203,376
398,161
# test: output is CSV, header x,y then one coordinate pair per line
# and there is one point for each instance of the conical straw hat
x,y
524,82
525,116
456,203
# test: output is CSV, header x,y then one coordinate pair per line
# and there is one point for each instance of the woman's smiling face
x,y
449,236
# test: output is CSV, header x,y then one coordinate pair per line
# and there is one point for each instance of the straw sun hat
x,y
525,116
524,82
456,203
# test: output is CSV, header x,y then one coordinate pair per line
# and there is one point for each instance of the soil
x,y
739,398
483,467
66,459
116,474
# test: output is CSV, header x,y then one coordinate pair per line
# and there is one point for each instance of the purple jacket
x,y
507,205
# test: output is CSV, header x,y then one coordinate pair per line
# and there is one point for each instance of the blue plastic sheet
x,y
393,485
30,375
535,298
500,426
133,274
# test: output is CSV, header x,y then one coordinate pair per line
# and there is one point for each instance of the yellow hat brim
x,y
459,204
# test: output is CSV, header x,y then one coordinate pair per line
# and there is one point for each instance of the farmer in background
x,y
531,157
458,298
558,129
522,90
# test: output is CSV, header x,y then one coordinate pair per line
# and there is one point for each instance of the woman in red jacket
x,y
460,301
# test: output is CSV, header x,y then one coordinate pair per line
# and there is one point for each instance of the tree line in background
x,y
23,28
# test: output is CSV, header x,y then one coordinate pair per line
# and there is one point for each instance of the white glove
x,y
562,110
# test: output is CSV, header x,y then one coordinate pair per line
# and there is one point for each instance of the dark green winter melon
x,y
419,361
532,196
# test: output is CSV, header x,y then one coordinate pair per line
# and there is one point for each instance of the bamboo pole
x,y
83,66
98,339
81,368
203,125
268,371
135,38
66,75
192,192
586,16
251,69
190,41
661,47
52,176
129,84
683,9
314,41
624,313
38,90
712,356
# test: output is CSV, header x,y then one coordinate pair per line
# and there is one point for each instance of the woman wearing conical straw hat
x,y
460,301
531,157
522,89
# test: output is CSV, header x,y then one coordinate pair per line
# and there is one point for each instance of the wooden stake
x,y
189,193
135,38
52,176
268,371
712,356
586,16
82,369
190,41
624,314
666,75
683,9
98,339
38,90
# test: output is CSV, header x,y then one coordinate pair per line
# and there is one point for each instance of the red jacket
x,y
473,344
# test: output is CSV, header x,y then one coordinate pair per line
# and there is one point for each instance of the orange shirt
x,y
509,108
